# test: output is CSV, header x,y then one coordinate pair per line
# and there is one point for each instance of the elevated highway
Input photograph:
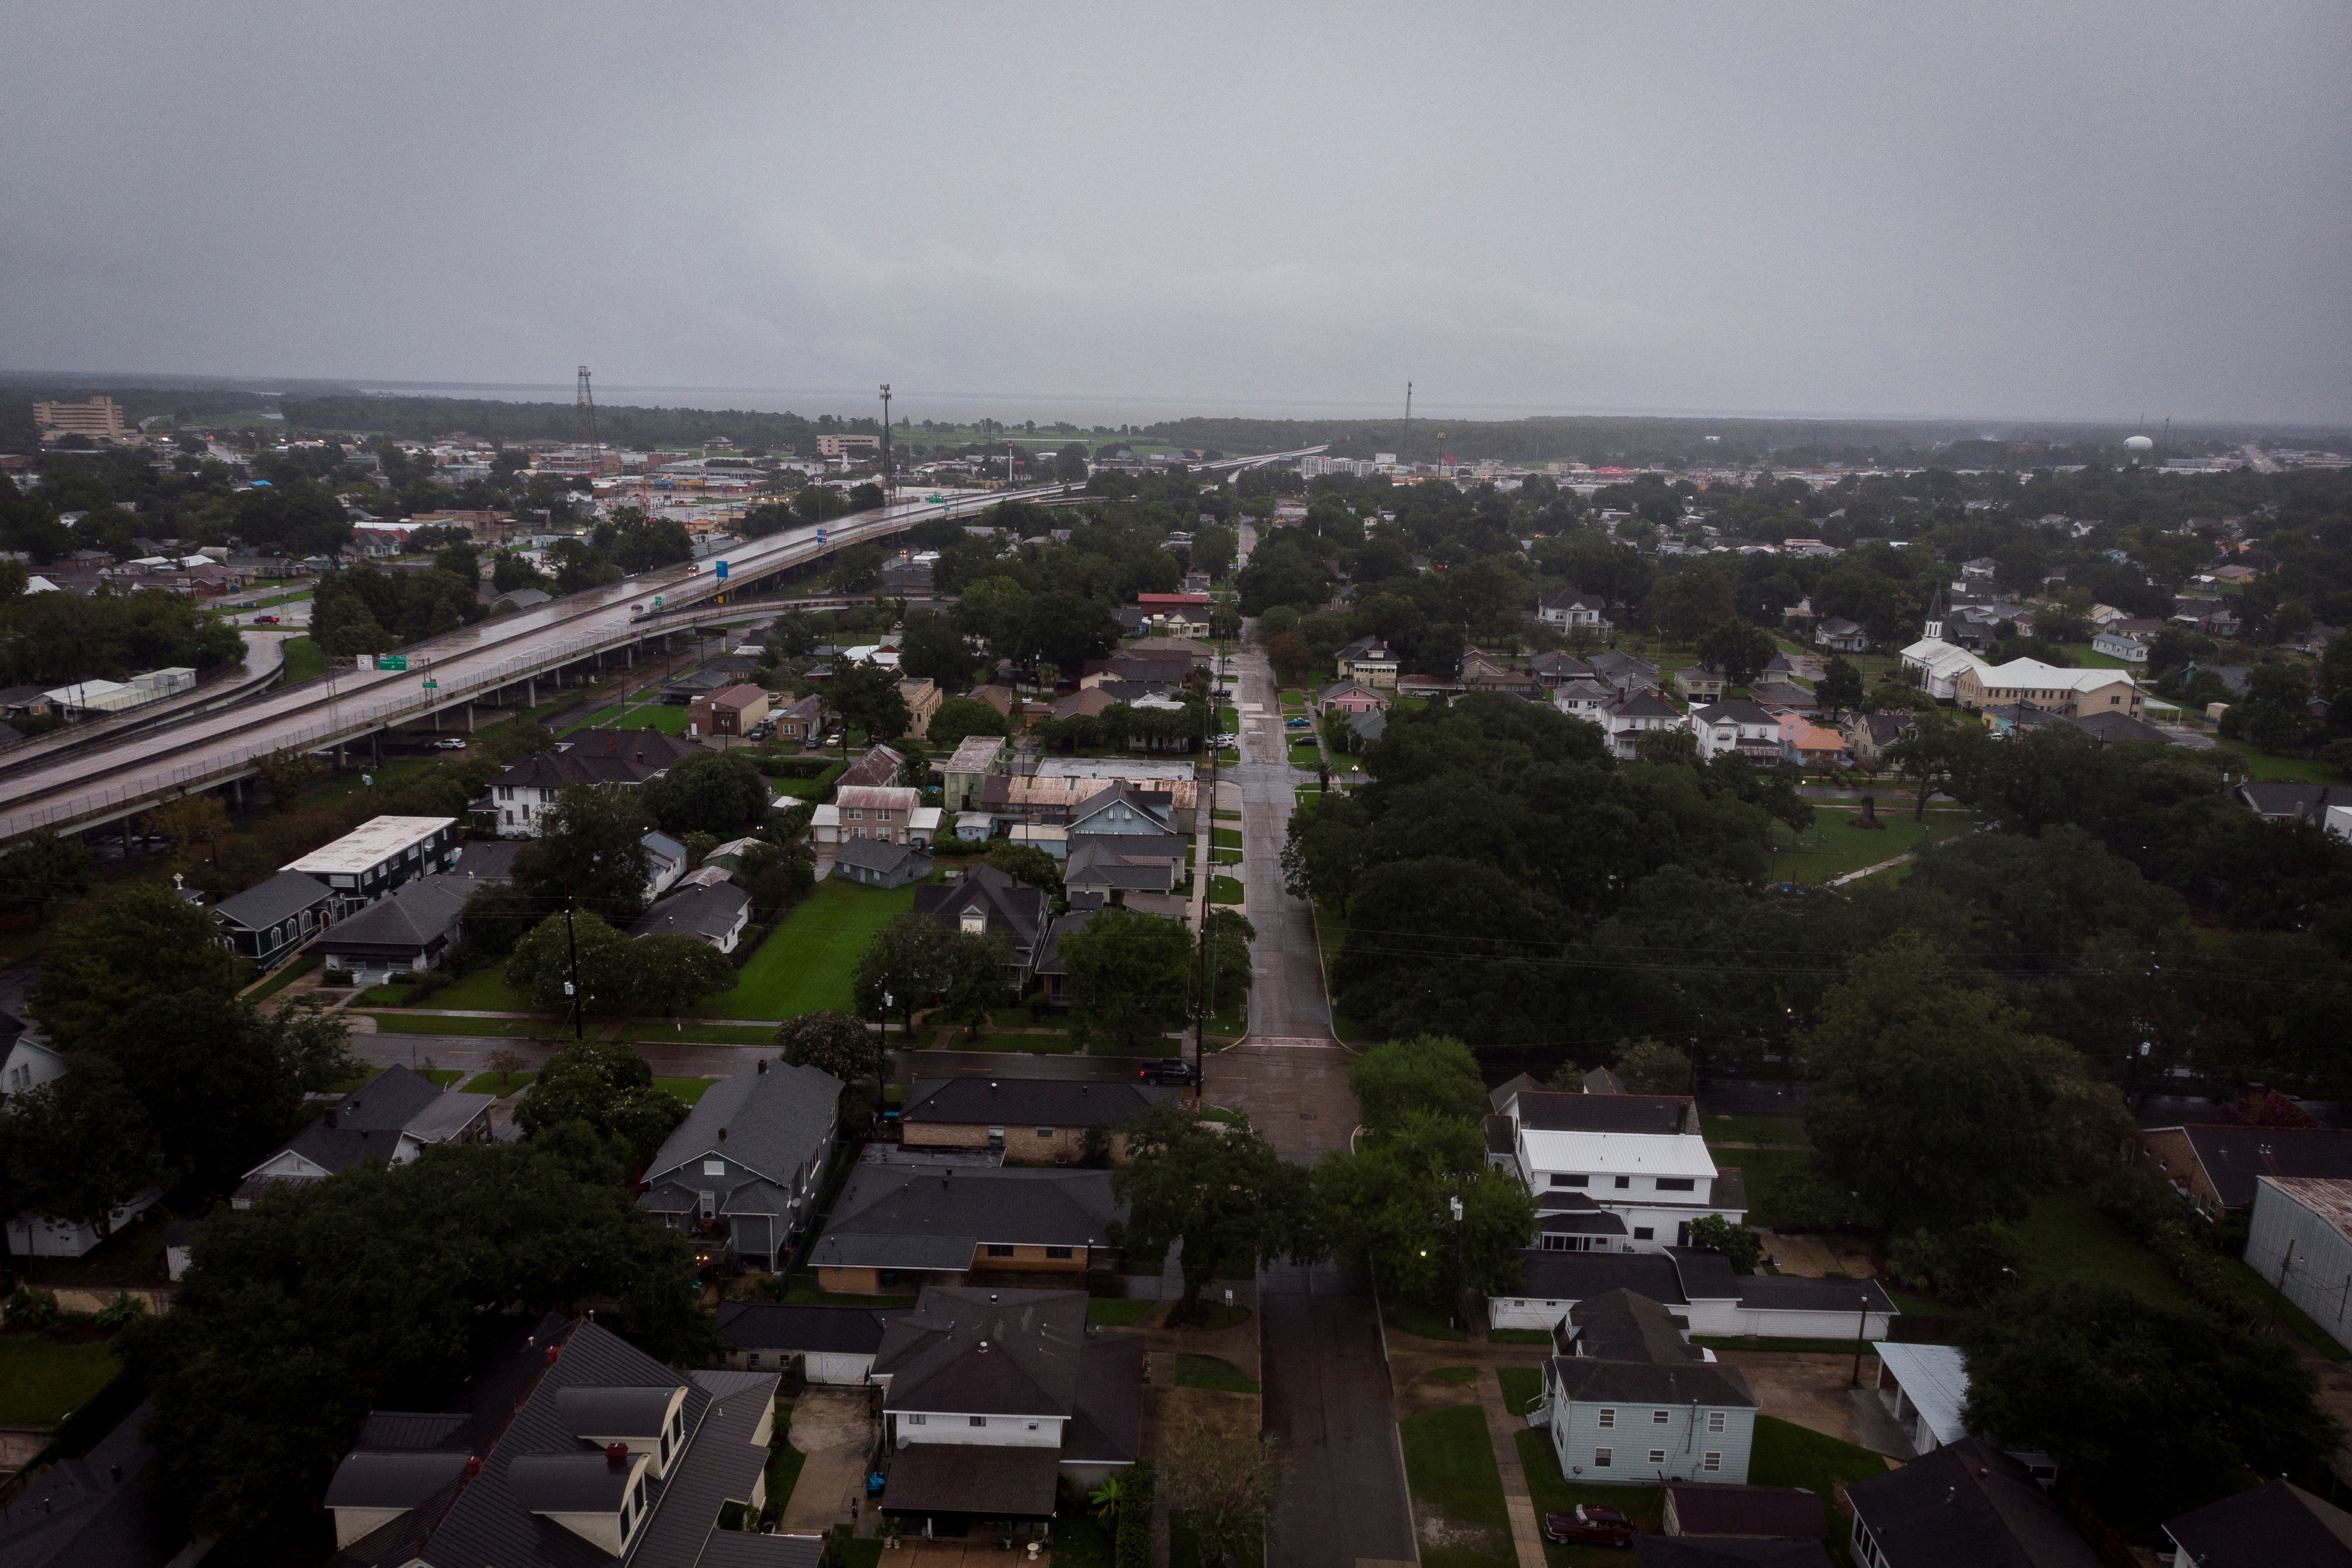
x,y
498,659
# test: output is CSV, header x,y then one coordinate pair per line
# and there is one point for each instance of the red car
x,y
1590,1524
264,620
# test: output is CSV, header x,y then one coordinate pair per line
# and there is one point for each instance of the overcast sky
x,y
2082,210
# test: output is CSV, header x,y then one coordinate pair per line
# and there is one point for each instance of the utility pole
x,y
572,946
1861,1331
583,421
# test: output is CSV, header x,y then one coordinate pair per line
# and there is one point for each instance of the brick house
x,y
1034,1120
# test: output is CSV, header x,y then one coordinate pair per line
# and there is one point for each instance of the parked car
x,y
1299,724
451,744
1590,1524
1169,1069
264,620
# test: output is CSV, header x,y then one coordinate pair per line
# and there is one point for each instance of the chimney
x,y
616,1454
473,1466
552,1351
722,1135
331,1116
761,1065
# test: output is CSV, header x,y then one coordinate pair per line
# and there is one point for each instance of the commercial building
x,y
379,855
2301,1242
98,417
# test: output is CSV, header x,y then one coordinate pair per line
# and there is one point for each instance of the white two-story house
x,y
1630,1402
1737,728
1639,1159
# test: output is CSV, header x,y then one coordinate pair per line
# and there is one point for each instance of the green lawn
x,y
700,1033
1455,1374
805,964
667,717
1054,1044
1457,1490
2261,765
1832,847
448,1023
1118,1311
1306,756
304,662
1216,816
1552,1493
1754,1130
485,990
42,1381
1225,838
499,1083
2066,1238
283,978
1520,1385
1786,1455
1518,1336
687,1088
1426,1322
1224,889
1212,1372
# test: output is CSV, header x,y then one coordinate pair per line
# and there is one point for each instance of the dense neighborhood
x,y
1686,1010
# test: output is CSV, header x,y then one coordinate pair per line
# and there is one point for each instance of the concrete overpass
x,y
497,659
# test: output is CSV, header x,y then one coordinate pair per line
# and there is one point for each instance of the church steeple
x,y
1934,630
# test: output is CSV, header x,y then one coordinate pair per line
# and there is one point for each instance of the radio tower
x,y
584,422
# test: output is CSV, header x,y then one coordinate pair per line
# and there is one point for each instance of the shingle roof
x,y
2234,1156
1010,905
1587,1378
1625,1325
768,1325
708,911
264,905
773,1121
1797,1293
1577,1276
1712,1508
875,854
879,764
1552,1111
412,917
1967,1505
2267,1527
933,1215
1500,1095
989,1352
1030,1102
1737,710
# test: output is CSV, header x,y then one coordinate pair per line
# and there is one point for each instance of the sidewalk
x,y
1502,1427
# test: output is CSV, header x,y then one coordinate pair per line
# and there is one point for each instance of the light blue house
x,y
1630,1402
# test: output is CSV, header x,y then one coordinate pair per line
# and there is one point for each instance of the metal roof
x,y
1616,1153
1935,1378
370,844
264,905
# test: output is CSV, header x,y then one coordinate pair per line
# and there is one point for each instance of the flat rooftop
x,y
370,844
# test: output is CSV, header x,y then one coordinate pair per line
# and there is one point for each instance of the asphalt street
x,y
1327,1396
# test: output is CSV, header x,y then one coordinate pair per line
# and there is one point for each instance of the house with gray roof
x,y
1033,1121
743,1171
876,863
1965,1505
393,1117
899,1226
827,1344
269,922
581,1450
1100,864
1577,1258
992,1397
714,913
985,899
407,932
1629,1401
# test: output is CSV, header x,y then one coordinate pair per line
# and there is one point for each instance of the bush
x,y
32,1310
2143,1205
1976,1262
1132,1549
334,977
1739,1246
123,1312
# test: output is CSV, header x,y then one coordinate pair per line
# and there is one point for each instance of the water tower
x,y
2138,449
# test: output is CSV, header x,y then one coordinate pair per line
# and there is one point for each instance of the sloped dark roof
x,y
1500,1095
411,919
879,764
81,1514
1030,1101
973,1477
1601,1080
1967,1505
264,905
1708,1508
1625,1325
1578,1276
743,1549
1108,1424
1796,1293
2267,1527
1727,1551
772,1325
2234,1157
1587,1378
932,1215
1049,961
1552,1111
877,855
987,1353
707,910
773,1121
1707,1275
1010,904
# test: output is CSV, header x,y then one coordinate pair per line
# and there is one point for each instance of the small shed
x,y
825,1344
875,864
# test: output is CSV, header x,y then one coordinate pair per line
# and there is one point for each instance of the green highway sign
x,y
391,660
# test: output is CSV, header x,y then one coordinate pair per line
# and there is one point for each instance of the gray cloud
x,y
2096,209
